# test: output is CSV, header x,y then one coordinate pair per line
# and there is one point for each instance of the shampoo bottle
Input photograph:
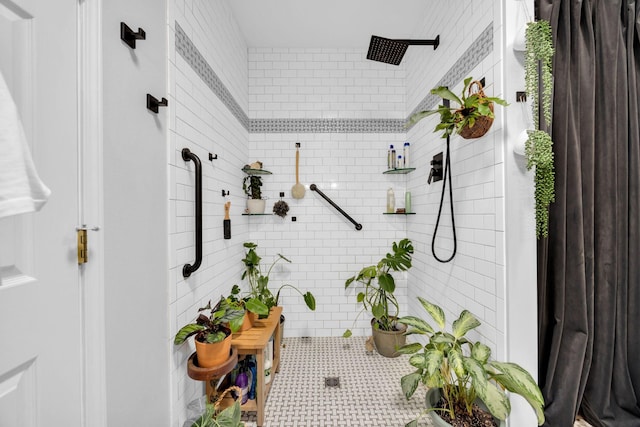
x,y
391,201
406,155
407,202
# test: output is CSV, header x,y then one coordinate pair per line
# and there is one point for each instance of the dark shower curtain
x,y
589,267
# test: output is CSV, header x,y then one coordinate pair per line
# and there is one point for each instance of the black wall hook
x,y
153,103
128,36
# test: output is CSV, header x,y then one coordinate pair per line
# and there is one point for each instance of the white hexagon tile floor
x,y
369,394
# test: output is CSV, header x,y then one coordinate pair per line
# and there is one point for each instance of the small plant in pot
x,y
213,416
460,375
377,297
259,282
253,308
471,117
252,187
212,335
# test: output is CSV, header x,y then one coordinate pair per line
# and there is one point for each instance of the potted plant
x,y
539,146
212,336
212,416
470,118
377,297
459,371
259,282
252,187
252,307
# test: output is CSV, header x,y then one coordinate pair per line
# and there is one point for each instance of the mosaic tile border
x,y
191,54
327,126
478,51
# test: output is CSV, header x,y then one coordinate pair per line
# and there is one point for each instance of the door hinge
x,y
83,255
83,245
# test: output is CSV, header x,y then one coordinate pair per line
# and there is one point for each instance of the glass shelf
x,y
250,171
263,214
398,213
399,171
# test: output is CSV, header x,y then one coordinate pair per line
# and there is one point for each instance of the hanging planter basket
x,y
482,124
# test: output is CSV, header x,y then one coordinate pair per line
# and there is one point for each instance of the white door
x,y
40,300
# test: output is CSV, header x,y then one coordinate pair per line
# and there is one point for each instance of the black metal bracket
x,y
315,188
129,36
297,145
153,103
225,193
213,157
433,42
187,269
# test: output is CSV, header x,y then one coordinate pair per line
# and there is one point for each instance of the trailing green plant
x,y
259,282
462,369
469,108
212,328
539,146
377,296
251,185
538,62
539,153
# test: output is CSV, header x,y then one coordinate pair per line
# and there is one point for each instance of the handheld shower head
x,y
391,51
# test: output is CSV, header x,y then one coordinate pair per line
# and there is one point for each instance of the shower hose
x,y
447,172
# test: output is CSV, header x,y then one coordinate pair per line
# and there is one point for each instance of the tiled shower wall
x,y
474,279
345,111
207,91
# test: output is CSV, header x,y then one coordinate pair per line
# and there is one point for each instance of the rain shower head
x,y
391,51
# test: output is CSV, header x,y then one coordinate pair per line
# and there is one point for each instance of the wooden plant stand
x,y
254,341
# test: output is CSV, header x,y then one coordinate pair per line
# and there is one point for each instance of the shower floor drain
x,y
332,382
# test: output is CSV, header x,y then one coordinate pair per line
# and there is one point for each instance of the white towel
x,y
21,190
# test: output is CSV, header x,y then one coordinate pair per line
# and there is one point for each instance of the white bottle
x,y
394,164
406,154
389,158
391,201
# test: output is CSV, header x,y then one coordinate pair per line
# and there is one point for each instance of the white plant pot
x,y
256,206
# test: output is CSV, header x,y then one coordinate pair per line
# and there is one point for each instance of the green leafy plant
x,y
251,185
539,146
212,328
462,369
259,282
469,108
229,417
250,303
377,296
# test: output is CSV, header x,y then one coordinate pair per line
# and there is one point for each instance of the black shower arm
x,y
315,188
190,268
433,42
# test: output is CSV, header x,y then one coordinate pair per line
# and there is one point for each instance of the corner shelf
x,y
250,171
399,171
398,213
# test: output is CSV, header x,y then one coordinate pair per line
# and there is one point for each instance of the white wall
x,y
135,217
200,121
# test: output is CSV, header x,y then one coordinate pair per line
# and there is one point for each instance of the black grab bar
x,y
315,188
190,268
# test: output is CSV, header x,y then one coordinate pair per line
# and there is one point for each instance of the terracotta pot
x,y
388,341
212,355
256,206
432,397
248,321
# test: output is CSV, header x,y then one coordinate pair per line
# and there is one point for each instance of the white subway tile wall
x,y
205,123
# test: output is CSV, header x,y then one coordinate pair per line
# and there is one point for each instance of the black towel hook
x,y
129,36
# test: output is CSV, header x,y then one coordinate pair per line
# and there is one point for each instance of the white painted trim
x,y
90,190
